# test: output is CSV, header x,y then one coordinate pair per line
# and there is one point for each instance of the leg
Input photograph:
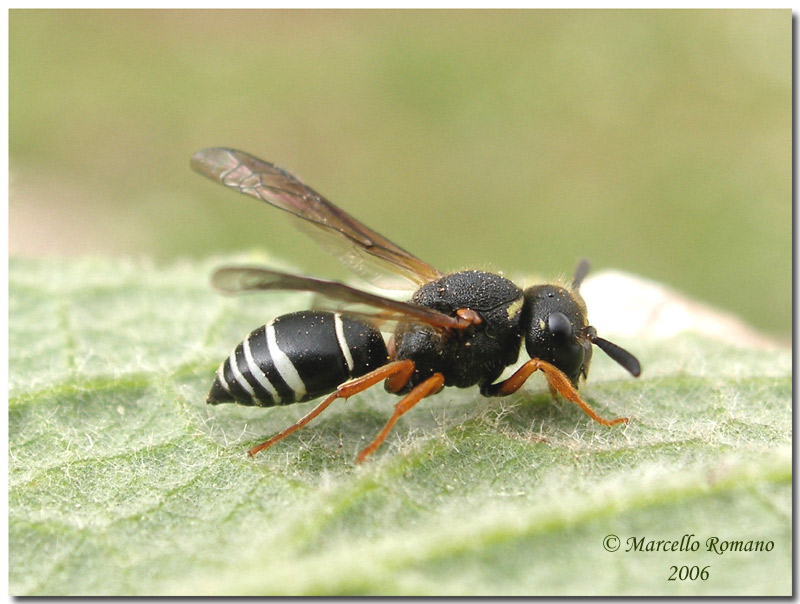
x,y
430,386
398,371
558,383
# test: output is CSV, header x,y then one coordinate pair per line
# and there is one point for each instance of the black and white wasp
x,y
459,329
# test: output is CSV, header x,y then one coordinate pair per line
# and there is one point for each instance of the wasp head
x,y
557,329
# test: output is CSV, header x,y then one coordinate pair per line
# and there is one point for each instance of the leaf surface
x,y
123,482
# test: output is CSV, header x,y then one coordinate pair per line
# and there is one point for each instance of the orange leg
x,y
430,386
558,383
397,372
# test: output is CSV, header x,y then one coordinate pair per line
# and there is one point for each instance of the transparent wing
x,y
239,279
251,176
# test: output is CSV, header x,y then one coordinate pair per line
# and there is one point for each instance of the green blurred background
x,y
658,142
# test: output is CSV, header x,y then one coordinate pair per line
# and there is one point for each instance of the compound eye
x,y
567,353
560,327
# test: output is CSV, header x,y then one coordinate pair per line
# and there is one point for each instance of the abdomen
x,y
297,357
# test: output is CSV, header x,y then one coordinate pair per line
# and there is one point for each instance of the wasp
x,y
458,329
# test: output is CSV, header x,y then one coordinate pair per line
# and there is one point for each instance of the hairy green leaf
x,y
122,481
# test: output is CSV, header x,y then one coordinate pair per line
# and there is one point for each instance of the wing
x,y
251,176
239,279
